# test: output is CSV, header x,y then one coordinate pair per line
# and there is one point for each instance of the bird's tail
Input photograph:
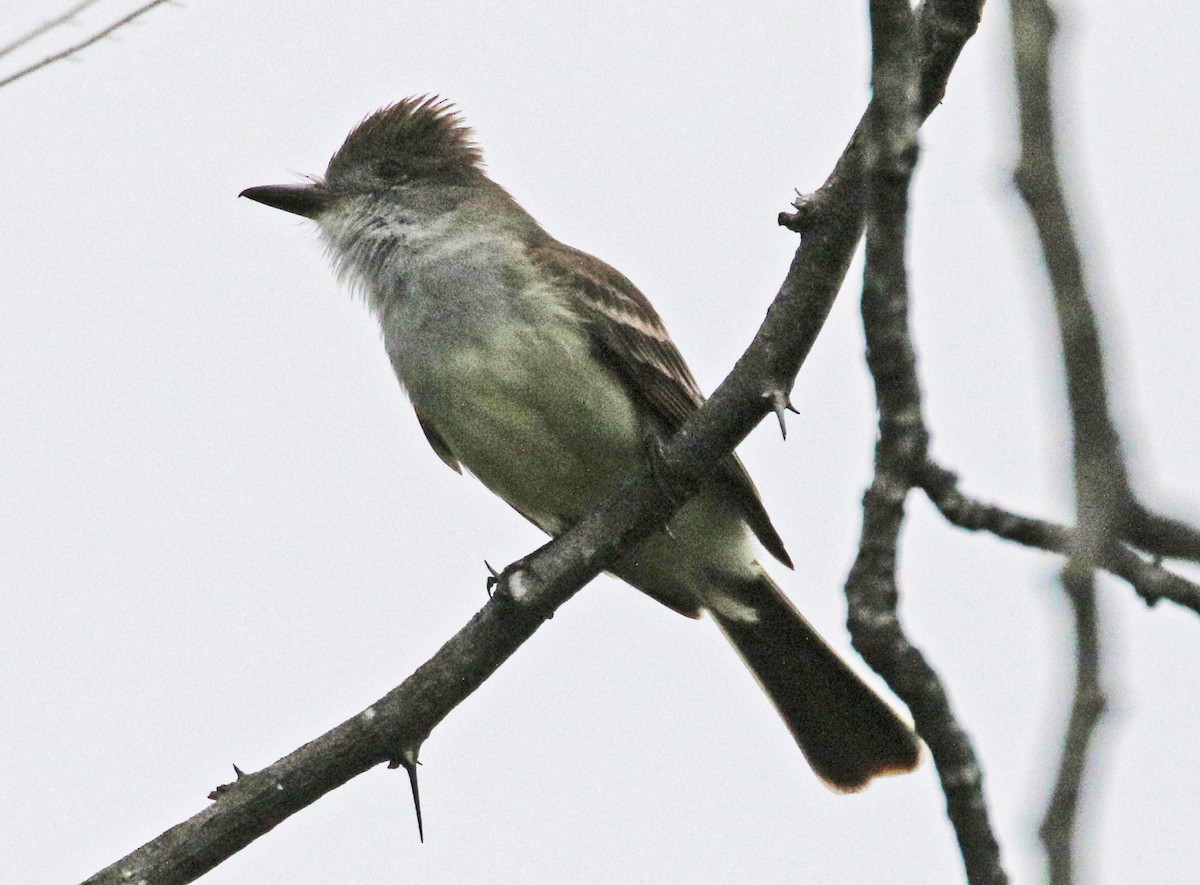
x,y
847,732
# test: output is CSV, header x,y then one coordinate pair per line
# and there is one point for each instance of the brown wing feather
x,y
629,333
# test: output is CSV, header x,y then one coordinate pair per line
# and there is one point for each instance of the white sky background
x,y
222,532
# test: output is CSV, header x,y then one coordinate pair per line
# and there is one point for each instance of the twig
x,y
1103,495
71,50
548,577
1161,535
1087,708
1151,581
901,450
1104,501
1107,506
45,26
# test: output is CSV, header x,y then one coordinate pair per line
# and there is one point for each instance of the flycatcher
x,y
542,370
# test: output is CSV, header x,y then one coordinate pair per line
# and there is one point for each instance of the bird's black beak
x,y
309,200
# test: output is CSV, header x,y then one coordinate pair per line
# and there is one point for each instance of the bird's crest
x,y
422,137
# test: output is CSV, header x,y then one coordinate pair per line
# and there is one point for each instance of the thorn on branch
x,y
807,214
781,403
519,585
225,788
408,761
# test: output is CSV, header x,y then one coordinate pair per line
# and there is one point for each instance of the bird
x,y
544,372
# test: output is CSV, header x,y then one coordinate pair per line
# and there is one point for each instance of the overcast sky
x,y
222,532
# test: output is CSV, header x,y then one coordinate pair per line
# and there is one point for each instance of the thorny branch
x,y
902,448
77,47
394,727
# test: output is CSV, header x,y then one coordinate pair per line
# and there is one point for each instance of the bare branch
x,y
901,450
72,50
1161,535
1104,501
533,588
46,26
1103,495
1151,581
1087,708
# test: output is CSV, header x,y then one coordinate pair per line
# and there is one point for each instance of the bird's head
x,y
417,141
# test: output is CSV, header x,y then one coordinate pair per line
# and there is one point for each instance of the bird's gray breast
x,y
452,297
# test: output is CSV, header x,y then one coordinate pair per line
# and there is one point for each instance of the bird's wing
x,y
439,444
629,335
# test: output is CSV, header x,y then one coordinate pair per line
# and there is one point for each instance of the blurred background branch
x,y
1104,501
74,48
1109,519
45,27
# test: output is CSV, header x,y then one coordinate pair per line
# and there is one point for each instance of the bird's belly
x,y
532,413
